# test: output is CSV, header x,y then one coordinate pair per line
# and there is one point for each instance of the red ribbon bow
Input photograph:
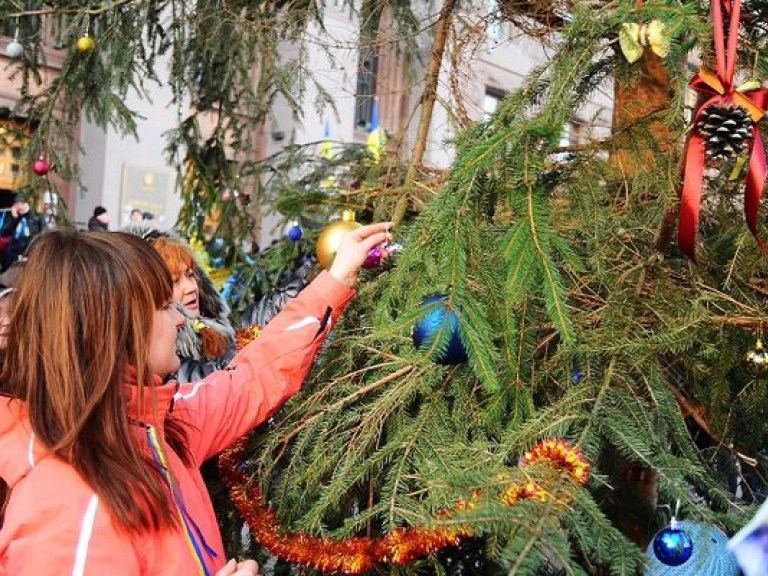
x,y
718,88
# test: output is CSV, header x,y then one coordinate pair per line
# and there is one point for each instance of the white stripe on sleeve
x,y
86,529
306,321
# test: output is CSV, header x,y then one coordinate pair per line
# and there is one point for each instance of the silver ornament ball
x,y
14,49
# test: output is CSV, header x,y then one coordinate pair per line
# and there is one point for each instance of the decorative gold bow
x,y
739,95
633,38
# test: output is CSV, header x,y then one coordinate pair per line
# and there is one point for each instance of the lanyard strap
x,y
196,545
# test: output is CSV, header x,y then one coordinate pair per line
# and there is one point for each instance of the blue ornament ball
x,y
672,546
295,233
437,319
691,549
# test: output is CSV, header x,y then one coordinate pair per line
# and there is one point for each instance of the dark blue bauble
x,y
438,318
672,546
710,555
295,233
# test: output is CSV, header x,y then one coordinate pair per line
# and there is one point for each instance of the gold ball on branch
x,y
86,43
330,238
756,359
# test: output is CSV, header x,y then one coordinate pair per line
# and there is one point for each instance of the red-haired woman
x,y
206,340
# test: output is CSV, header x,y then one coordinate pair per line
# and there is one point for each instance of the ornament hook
x,y
673,520
674,514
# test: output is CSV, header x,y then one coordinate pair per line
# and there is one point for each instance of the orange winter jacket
x,y
56,525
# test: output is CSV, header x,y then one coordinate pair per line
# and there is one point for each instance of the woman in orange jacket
x,y
98,458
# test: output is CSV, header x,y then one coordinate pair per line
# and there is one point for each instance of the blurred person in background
x,y
99,220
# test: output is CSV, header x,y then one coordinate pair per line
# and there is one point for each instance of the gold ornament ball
x,y
757,360
330,238
86,43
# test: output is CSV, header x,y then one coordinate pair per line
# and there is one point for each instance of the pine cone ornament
x,y
727,130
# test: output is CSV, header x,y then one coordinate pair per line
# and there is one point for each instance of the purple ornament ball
x,y
374,258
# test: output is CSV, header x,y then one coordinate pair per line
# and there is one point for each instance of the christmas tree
x,y
554,363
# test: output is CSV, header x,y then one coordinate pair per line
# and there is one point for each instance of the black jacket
x,y
96,224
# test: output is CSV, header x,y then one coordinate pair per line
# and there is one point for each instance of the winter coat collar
x,y
143,411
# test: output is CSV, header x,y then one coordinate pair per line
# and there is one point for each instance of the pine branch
x,y
427,102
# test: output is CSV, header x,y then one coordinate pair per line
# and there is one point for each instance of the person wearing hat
x,y
99,220
22,225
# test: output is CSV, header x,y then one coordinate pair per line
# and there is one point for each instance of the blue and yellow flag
x,y
326,153
377,138
325,145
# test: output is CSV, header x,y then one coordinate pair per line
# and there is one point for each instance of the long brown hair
x,y
82,315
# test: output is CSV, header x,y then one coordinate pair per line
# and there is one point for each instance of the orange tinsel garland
x,y
358,554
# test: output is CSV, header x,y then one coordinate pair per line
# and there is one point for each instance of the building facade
x,y
377,79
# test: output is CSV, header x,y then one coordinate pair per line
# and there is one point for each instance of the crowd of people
x,y
119,379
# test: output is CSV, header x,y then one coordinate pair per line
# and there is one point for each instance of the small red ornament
x,y
41,166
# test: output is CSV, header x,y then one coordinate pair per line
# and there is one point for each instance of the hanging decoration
x,y
295,232
14,49
756,359
358,554
330,237
719,91
374,257
726,130
706,552
437,318
634,37
41,167
86,43
672,545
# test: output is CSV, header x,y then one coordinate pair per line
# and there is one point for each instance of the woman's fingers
x,y
229,569
354,248
244,568
247,568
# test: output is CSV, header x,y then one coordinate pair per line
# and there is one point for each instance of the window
x,y
366,87
13,140
573,133
23,26
491,102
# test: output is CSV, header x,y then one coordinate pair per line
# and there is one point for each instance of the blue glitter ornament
x,y
439,323
690,549
672,546
295,232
